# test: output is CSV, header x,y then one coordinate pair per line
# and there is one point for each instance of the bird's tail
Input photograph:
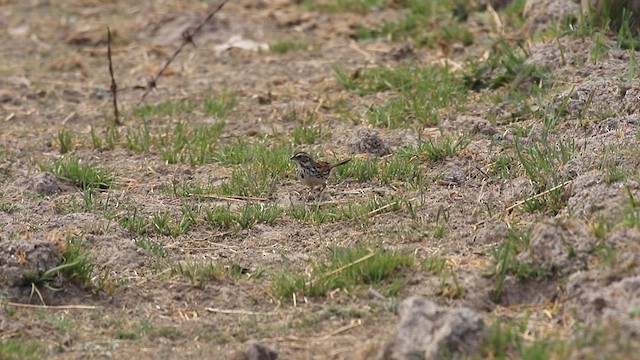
x,y
339,163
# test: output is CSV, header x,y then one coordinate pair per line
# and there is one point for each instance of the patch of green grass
x,y
164,223
246,182
362,170
284,46
315,215
135,332
609,165
191,145
80,174
220,106
359,6
151,246
319,214
181,143
506,340
238,152
450,286
503,338
438,150
416,93
60,320
506,68
199,273
8,208
134,222
631,214
345,268
20,349
505,167
167,332
403,168
310,134
65,140
167,108
77,264
425,23
542,159
245,217
95,139
221,217
260,176
138,139
505,262
434,264
93,200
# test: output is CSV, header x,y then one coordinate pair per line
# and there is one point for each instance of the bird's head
x,y
302,158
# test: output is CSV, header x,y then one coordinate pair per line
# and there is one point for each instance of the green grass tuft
x,y
345,268
80,174
418,93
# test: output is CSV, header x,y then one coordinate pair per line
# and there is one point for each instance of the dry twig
x,y
114,86
187,38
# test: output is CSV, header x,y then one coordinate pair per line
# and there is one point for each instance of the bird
x,y
313,173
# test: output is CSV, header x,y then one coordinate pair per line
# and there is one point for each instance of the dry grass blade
x,y
339,330
537,196
342,268
240,312
53,307
229,198
521,202
380,209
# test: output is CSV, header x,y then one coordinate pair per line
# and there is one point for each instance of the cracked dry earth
x,y
54,77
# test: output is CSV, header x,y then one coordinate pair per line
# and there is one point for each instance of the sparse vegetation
x,y
283,46
468,127
84,176
346,268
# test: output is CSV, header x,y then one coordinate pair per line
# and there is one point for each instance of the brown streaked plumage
x,y
313,173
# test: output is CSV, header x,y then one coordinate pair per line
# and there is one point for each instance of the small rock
x,y
484,127
369,141
44,183
402,52
454,175
429,331
256,350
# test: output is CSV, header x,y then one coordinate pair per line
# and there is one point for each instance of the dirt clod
x,y
428,331
369,141
44,183
562,248
22,258
591,298
256,350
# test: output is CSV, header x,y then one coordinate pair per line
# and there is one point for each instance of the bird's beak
x,y
291,158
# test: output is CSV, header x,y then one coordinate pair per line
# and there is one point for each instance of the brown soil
x,y
54,76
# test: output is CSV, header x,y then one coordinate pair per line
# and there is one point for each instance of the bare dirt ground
x,y
54,77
